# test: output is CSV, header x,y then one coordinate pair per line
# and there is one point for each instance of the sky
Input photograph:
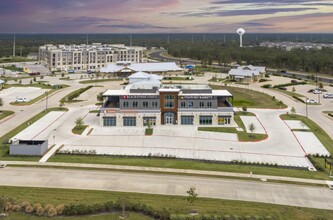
x,y
165,16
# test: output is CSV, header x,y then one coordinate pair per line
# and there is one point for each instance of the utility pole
x,y
306,106
46,100
14,46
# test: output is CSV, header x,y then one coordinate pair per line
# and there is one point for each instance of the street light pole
x,y
306,106
46,100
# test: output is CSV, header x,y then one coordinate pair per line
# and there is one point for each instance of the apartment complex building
x,y
149,102
88,57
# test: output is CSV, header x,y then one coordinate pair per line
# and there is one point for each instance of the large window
x,y
201,104
149,120
135,104
187,120
109,121
129,121
169,104
183,105
209,104
169,97
125,104
224,120
190,104
154,104
145,104
206,120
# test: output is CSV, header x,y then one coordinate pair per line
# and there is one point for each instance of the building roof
x,y
145,76
142,67
243,71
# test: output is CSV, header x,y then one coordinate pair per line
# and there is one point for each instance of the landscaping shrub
x,y
263,80
25,204
40,211
8,206
36,206
29,209
48,207
52,212
60,209
244,108
16,208
266,86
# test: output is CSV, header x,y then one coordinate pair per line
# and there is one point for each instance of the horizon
x,y
158,16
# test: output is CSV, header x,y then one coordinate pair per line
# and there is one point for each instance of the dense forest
x,y
208,48
297,59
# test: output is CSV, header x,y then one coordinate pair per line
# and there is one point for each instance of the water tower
x,y
241,32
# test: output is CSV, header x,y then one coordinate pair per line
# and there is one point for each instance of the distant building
x,y
125,69
147,101
288,46
88,57
247,74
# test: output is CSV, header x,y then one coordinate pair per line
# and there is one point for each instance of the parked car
x,y
328,95
21,99
283,88
311,101
317,91
293,81
34,74
71,71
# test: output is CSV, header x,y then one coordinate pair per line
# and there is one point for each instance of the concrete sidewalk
x,y
169,170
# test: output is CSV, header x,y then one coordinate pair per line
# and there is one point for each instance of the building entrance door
x,y
169,118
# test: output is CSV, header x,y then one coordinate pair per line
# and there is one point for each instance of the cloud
x,y
242,12
134,26
270,2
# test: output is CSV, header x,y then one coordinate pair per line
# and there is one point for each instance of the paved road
x,y
303,196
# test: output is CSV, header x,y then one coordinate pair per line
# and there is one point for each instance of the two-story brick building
x,y
149,102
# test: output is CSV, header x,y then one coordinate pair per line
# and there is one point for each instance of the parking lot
x,y
13,93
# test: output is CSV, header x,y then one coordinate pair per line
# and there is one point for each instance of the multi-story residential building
x,y
88,57
148,102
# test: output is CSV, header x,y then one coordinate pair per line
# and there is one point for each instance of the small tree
x,y
79,122
34,79
294,89
20,81
100,97
192,196
2,204
123,202
244,108
1,103
252,128
321,85
293,110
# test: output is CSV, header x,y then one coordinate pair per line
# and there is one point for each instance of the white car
x,y
311,101
21,99
328,95
317,91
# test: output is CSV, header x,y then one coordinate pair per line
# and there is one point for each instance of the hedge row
x,y
298,98
218,217
289,84
75,94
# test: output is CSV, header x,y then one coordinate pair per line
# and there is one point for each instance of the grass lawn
x,y
98,80
291,94
4,149
242,135
175,204
94,111
79,129
251,98
114,216
41,96
186,164
4,114
324,138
